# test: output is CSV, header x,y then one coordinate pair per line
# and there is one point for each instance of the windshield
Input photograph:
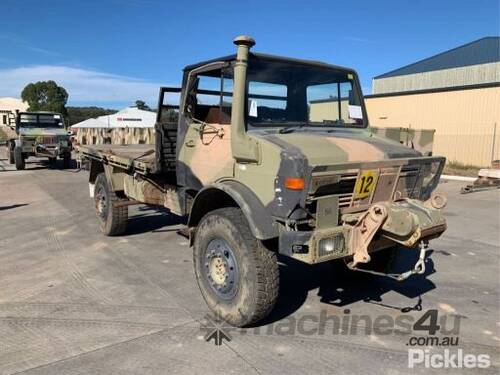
x,y
282,93
40,120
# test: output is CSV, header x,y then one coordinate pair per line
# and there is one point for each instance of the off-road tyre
x,y
256,283
112,219
66,161
19,159
10,152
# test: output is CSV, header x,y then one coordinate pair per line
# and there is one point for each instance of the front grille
x,y
47,140
394,182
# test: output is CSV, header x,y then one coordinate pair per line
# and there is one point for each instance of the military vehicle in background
x,y
269,155
39,134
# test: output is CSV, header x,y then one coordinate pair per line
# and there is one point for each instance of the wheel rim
x,y
220,269
101,203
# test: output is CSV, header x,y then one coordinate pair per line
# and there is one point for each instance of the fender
x,y
259,218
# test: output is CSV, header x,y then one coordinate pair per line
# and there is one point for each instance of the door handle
x,y
190,143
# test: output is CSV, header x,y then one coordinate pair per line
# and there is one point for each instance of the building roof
x,y
481,51
11,104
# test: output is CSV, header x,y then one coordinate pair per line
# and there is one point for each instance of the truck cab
x,y
268,155
39,134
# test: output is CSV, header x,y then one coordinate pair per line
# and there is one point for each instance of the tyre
x,y
10,152
237,275
52,161
67,161
112,219
19,159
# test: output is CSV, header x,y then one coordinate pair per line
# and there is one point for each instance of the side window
x,y
267,102
211,97
169,107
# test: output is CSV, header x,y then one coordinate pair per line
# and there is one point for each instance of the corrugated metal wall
x,y
468,75
464,121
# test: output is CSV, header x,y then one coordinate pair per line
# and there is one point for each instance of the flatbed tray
x,y
140,156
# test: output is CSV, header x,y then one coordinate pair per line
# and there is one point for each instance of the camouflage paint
x,y
421,140
29,137
255,163
115,136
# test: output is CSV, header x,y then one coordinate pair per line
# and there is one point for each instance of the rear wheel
x,y
112,219
19,158
10,152
237,275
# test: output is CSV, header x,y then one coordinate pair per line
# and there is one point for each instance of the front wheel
x,y
237,275
19,159
112,219
67,161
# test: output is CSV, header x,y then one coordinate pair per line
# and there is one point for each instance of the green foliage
x,y
79,114
141,104
45,96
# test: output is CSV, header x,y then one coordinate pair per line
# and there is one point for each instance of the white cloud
x,y
83,86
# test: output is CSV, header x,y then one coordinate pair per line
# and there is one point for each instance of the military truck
x,y
268,155
40,134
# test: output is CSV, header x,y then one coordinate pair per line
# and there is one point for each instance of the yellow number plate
x,y
366,183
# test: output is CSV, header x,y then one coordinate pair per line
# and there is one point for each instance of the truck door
x,y
205,153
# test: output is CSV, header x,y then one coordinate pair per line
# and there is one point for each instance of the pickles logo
x,y
216,329
447,359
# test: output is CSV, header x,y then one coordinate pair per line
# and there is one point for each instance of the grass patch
x,y
455,168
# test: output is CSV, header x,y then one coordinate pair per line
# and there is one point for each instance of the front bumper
x,y
46,150
407,222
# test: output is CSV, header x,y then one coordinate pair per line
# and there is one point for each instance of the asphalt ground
x,y
75,302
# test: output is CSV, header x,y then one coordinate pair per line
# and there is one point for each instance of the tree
x,y
141,104
79,114
45,96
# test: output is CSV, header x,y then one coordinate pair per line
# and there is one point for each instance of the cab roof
x,y
232,57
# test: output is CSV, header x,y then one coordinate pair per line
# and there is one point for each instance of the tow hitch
x,y
419,267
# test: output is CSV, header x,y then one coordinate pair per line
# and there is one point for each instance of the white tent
x,y
131,117
90,123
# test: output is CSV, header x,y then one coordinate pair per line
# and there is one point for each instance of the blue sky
x,y
111,52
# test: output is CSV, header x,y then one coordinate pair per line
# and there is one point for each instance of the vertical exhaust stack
x,y
244,148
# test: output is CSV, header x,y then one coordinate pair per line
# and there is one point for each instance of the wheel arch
x,y
234,194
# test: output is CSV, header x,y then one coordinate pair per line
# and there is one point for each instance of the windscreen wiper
x,y
290,129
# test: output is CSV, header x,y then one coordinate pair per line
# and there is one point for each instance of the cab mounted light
x,y
295,183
